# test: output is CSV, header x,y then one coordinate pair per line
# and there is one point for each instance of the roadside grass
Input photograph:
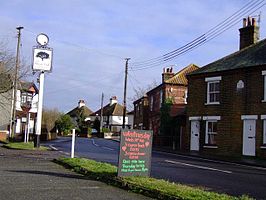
x,y
23,146
155,188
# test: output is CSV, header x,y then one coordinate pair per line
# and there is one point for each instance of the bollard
x,y
73,143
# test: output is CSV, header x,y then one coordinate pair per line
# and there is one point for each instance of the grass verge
x,y
23,146
151,187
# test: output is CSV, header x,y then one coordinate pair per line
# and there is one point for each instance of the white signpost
x,y
73,143
42,62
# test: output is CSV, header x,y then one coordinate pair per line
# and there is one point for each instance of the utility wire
x,y
209,35
84,82
81,47
214,29
190,47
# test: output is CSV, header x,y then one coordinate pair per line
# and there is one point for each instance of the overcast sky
x,y
92,38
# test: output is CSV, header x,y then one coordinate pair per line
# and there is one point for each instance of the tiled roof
x,y
76,111
180,77
251,56
110,110
26,86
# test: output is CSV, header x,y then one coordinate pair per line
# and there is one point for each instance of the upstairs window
x,y
213,89
26,99
185,96
136,110
151,103
161,98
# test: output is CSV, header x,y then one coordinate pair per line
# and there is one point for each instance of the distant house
x,y
26,109
157,110
227,101
113,116
80,114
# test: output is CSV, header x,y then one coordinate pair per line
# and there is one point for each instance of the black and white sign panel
x,y
42,59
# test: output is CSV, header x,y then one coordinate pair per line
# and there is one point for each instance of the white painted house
x,y
113,116
26,109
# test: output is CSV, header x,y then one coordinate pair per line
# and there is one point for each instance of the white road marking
x,y
93,142
198,166
52,147
210,160
64,153
108,148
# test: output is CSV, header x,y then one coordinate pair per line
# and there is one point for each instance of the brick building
x,y
227,101
141,109
172,91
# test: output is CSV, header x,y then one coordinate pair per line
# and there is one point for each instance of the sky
x,y
92,38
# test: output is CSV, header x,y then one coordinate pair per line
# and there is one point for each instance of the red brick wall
x,y
233,104
174,92
141,113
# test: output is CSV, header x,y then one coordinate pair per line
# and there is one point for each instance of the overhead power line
x,y
217,30
82,47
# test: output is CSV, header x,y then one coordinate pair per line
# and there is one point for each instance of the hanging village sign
x,y
135,153
42,55
41,62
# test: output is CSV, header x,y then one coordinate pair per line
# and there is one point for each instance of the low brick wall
x,y
3,135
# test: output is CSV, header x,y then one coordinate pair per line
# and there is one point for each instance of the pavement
x,y
28,175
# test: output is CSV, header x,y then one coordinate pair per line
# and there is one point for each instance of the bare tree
x,y
7,68
7,79
49,117
141,91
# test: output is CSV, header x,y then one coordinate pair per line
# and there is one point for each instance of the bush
x,y
105,130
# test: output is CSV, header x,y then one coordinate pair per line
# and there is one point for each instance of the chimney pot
x,y
168,73
253,22
81,103
249,34
244,22
113,100
249,21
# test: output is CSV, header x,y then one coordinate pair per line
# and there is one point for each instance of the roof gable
x,y
110,110
180,77
76,111
28,86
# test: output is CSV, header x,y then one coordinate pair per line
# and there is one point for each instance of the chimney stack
x,y
167,74
249,33
81,103
113,100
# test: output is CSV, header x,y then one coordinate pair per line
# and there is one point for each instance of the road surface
x,y
230,178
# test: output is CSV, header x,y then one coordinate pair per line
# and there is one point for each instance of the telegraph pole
x,y
101,117
125,93
15,86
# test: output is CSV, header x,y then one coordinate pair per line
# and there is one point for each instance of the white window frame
x,y
263,117
263,73
185,96
210,119
211,80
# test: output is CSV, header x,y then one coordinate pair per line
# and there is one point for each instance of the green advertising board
x,y
135,153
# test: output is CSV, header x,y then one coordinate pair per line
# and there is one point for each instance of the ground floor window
x,y
211,132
